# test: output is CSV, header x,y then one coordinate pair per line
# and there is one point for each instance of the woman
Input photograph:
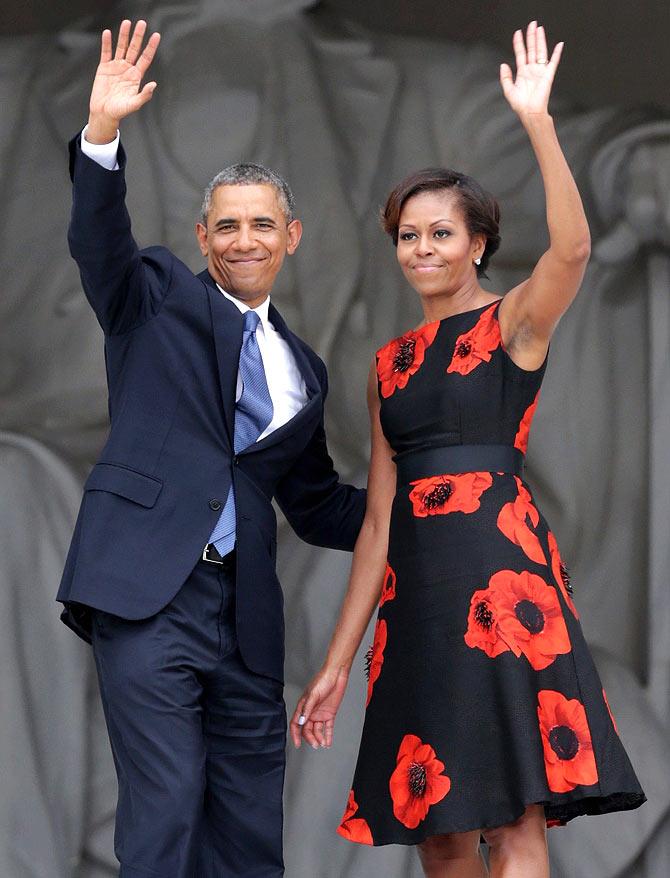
x,y
485,715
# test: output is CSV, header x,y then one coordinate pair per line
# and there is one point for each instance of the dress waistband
x,y
454,459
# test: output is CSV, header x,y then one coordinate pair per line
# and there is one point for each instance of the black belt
x,y
452,459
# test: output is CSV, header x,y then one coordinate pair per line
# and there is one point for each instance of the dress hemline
x,y
556,815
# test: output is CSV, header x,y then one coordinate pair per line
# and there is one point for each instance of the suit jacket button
x,y
215,505
236,460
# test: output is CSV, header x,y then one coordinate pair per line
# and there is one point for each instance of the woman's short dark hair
x,y
480,209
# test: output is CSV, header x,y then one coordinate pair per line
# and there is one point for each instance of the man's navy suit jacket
x,y
172,344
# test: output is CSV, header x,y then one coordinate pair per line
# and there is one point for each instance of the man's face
x,y
246,239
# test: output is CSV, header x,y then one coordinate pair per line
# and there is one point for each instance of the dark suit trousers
x,y
198,739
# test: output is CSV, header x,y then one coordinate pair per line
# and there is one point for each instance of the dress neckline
x,y
442,320
470,311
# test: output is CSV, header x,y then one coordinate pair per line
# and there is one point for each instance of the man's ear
x,y
201,235
294,232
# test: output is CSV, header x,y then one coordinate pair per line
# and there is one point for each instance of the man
x,y
215,408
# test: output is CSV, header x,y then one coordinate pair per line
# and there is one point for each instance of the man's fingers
x,y
136,42
145,95
106,47
122,42
142,97
147,56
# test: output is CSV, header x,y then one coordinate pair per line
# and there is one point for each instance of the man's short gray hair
x,y
248,174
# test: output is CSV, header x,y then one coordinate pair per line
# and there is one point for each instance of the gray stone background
x,y
343,98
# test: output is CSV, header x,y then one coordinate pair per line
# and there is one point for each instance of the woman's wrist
x,y
535,121
337,667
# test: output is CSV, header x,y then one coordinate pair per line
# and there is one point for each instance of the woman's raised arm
x,y
530,312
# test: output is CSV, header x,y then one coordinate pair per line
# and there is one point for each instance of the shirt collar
x,y
262,310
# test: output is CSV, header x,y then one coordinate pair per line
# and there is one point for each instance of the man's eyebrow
x,y
231,221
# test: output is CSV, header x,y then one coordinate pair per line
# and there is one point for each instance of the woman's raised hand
x,y
535,71
117,90
317,707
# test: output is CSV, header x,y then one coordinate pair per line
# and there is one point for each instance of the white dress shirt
x,y
285,382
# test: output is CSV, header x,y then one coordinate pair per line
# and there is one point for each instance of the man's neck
x,y
256,304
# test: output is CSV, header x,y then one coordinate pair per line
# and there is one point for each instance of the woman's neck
x,y
467,298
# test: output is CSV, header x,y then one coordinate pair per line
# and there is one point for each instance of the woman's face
x,y
435,249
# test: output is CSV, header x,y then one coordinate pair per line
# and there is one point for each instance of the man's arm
x,y
319,508
118,285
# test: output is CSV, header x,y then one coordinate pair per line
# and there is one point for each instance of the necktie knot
x,y
251,321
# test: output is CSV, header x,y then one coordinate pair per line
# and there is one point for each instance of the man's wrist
x,y
104,154
101,130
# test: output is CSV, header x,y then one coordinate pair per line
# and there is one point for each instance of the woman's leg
x,y
519,850
455,855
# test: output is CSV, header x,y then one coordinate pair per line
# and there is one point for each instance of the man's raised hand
x,y
117,90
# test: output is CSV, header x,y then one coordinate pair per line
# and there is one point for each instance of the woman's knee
x,y
454,846
529,828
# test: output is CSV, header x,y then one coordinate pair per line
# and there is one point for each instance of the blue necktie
x,y
253,412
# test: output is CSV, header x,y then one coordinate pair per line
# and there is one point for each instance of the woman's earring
x,y
478,260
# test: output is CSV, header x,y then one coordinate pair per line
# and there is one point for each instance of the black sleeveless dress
x,y
482,695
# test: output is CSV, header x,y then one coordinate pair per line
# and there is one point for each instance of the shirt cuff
x,y
104,154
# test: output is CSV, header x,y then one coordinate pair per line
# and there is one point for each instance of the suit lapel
x,y
227,325
314,392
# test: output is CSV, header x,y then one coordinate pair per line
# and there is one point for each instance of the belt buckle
x,y
210,560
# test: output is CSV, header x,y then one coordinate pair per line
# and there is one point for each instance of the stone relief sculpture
x,y
342,113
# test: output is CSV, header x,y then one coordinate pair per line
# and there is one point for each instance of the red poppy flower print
x,y
513,522
609,710
354,828
521,438
476,345
398,360
483,631
566,741
375,656
417,782
561,575
528,617
388,586
439,495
